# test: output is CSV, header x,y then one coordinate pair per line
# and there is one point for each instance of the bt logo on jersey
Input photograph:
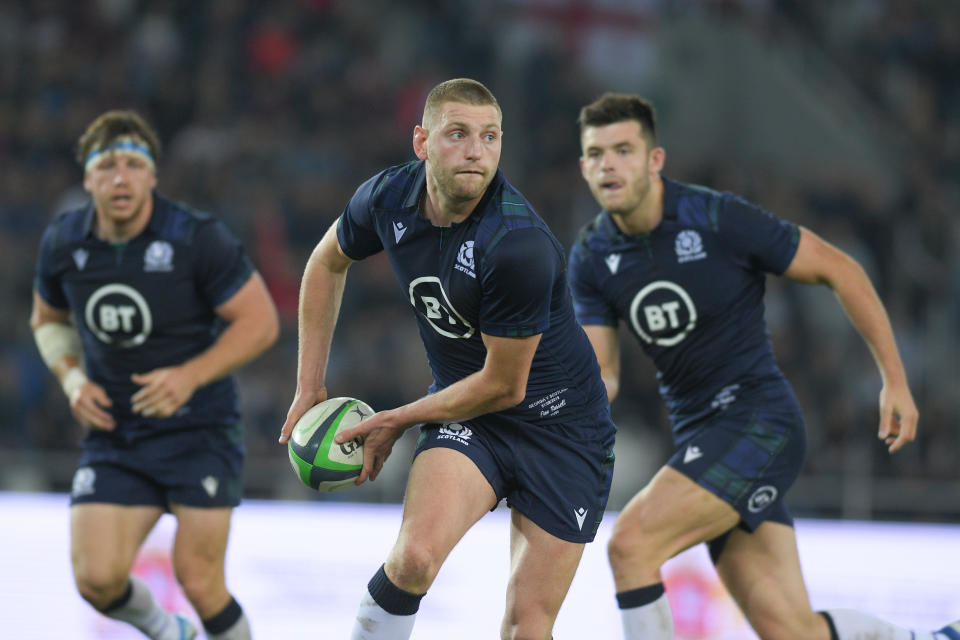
x,y
118,314
430,300
663,313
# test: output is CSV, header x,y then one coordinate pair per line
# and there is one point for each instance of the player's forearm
x,y
321,293
477,394
606,346
243,340
867,314
612,382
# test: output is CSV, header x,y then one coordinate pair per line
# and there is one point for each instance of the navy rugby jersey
x,y
500,272
691,291
146,303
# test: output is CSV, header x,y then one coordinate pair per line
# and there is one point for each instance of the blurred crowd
x,y
272,113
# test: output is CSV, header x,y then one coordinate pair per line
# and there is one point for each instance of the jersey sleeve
x,y
757,237
589,305
356,230
222,265
517,279
47,280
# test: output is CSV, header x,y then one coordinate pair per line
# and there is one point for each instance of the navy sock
x,y
639,597
225,619
119,602
392,598
833,628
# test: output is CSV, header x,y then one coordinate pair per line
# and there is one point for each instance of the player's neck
x,y
119,231
647,215
442,212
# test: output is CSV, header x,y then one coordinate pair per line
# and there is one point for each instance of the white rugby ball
x,y
318,461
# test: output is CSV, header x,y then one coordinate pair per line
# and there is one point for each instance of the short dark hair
x,y
463,90
115,124
611,108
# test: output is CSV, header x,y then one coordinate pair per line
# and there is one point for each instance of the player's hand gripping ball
x,y
319,462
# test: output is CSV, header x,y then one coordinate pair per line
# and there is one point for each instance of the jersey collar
x,y
417,185
671,192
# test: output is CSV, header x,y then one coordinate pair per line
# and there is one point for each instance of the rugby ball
x,y
318,461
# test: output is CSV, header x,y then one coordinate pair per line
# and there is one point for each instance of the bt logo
x,y
430,300
663,314
118,314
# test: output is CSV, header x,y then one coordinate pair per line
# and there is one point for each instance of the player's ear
x,y
657,157
420,142
583,168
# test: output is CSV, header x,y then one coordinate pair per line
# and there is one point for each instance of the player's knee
x,y
626,545
100,586
413,566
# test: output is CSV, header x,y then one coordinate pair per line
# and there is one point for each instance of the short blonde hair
x,y
463,90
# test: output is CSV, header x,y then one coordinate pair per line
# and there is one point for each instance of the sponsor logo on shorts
x,y
83,481
692,453
455,431
210,485
762,498
581,515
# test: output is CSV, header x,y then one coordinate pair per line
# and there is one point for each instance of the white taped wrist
x,y
56,340
72,380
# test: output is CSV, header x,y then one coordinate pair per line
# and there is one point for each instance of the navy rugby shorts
x,y
198,467
748,455
557,475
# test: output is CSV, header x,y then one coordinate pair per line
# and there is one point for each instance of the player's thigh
x,y
200,543
105,539
446,495
670,514
762,572
542,568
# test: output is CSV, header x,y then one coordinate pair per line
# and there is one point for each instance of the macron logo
x,y
581,514
691,454
210,485
398,230
80,257
613,262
